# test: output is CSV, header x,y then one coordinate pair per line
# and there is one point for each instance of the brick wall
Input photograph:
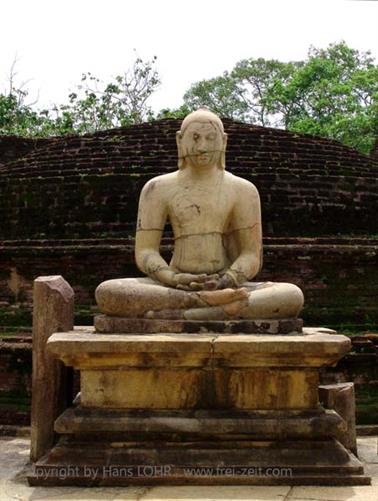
x,y
15,147
339,276
88,187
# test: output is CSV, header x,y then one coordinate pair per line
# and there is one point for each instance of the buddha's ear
x,y
223,154
180,162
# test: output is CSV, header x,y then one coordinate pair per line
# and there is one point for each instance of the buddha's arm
x,y
248,263
246,229
152,215
148,258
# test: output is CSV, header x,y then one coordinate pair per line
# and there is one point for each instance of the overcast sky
x,y
57,41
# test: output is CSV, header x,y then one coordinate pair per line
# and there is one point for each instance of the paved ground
x,y
14,454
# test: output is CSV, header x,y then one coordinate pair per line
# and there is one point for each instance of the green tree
x,y
244,93
123,101
16,115
93,106
222,94
178,113
21,119
333,93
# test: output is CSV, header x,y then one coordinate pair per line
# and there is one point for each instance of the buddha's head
x,y
201,141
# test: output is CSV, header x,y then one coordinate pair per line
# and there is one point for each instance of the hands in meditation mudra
x,y
216,222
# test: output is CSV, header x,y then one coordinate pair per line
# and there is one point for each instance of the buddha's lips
x,y
199,155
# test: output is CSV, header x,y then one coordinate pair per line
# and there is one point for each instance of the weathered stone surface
x,y
183,371
312,350
13,463
323,462
242,426
188,388
341,398
199,400
53,312
88,350
108,324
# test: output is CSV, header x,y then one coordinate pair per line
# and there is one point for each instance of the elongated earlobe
x,y
181,160
223,154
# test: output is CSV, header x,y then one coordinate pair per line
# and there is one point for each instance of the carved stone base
x,y
119,461
106,324
122,447
204,408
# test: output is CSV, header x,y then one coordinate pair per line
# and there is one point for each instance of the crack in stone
x,y
212,350
198,234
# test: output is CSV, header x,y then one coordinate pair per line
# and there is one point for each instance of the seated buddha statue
x,y
216,223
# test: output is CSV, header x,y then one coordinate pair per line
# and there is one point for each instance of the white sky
x,y
59,40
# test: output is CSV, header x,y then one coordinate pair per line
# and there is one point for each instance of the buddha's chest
x,y
199,210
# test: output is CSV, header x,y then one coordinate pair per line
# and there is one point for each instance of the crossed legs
x,y
143,297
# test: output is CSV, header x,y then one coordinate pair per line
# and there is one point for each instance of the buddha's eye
x,y
195,137
211,137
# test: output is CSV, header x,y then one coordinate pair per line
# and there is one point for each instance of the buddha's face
x,y
202,144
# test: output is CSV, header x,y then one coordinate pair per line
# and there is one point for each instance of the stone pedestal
x,y
106,324
198,408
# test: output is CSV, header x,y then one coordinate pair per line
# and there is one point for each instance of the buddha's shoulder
x,y
160,183
240,184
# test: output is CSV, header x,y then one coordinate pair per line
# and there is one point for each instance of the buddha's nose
x,y
202,148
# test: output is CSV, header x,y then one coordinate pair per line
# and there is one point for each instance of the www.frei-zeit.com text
x,y
153,471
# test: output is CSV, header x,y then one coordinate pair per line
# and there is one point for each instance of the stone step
x,y
266,463
226,425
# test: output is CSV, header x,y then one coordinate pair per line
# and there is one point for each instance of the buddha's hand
x,y
226,281
192,282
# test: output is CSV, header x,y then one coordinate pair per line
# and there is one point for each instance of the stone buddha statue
x,y
216,222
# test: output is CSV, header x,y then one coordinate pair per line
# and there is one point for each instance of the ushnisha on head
x,y
201,141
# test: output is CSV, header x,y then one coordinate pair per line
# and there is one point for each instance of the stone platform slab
x,y
85,349
107,325
198,371
188,426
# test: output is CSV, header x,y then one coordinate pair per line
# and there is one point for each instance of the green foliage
x,y
20,119
97,106
178,113
221,94
92,107
334,93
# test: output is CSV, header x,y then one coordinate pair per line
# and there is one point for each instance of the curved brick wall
x,y
88,187
13,147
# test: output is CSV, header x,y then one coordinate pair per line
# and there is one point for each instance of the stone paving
x,y
14,455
